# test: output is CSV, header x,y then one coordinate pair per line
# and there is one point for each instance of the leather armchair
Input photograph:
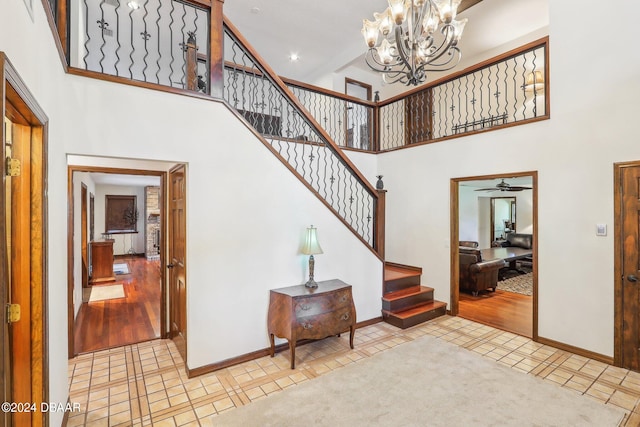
x,y
475,274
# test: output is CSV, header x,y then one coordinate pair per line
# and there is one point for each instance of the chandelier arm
x,y
446,45
442,64
371,56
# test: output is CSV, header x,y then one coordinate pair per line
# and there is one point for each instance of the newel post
x,y
216,62
191,52
379,224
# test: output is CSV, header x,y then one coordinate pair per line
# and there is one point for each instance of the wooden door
x,y
83,236
23,349
25,275
418,118
177,259
629,289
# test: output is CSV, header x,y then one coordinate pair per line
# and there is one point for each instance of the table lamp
x,y
311,247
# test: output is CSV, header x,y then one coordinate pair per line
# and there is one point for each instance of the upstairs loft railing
x,y
164,42
349,121
178,44
296,138
511,89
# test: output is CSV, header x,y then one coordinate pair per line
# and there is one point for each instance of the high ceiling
x,y
326,34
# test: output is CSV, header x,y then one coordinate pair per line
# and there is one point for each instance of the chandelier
x,y
413,37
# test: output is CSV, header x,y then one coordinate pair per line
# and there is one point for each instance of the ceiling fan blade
x,y
517,188
488,189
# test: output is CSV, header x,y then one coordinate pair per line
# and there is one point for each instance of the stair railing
x,y
265,102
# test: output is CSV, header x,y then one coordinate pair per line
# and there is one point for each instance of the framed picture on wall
x,y
121,214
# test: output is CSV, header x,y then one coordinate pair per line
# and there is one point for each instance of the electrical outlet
x,y
601,229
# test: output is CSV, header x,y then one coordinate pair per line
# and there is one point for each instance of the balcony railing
x,y
348,121
164,42
511,89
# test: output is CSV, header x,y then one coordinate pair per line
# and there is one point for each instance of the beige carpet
x,y
103,292
427,382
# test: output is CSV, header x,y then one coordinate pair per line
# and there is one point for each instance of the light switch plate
x,y
601,229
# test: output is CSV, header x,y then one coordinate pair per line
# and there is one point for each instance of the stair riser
x,y
398,284
414,320
408,301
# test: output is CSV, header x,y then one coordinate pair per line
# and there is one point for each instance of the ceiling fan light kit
x,y
503,186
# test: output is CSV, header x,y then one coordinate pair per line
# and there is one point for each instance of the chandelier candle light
x,y
413,37
311,247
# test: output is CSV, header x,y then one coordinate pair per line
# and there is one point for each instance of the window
x,y
121,214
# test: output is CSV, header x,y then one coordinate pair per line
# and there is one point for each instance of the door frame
x,y
618,242
70,239
21,107
454,237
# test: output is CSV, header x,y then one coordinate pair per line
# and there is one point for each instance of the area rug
x,y
427,382
522,284
105,292
122,268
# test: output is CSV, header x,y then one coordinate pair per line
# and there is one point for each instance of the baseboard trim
x,y
207,369
576,350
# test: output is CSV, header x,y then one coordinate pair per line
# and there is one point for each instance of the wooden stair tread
x,y
394,295
394,273
405,314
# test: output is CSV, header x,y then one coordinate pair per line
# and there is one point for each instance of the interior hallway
x,y
145,384
136,318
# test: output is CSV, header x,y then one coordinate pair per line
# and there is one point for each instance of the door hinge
x,y
13,167
13,313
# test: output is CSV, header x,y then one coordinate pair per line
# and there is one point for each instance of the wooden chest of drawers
x,y
298,312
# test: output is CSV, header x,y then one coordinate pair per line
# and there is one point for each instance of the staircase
x,y
405,302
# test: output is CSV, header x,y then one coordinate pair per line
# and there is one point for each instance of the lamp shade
x,y
311,245
534,82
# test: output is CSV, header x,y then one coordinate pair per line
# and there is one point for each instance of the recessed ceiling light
x,y
294,57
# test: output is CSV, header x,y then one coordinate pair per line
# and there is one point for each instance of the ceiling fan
x,y
503,186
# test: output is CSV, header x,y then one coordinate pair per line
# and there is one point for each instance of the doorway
x,y
626,265
503,303
23,242
124,302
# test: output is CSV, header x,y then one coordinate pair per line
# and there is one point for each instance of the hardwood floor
x,y
116,322
501,309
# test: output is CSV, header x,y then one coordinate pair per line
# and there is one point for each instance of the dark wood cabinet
x,y
298,312
102,261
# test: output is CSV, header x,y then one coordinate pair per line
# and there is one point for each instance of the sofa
x,y
475,274
519,239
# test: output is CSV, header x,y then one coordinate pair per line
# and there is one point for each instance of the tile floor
x,y
145,384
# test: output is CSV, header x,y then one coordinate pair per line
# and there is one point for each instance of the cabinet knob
x,y
305,307
345,316
307,325
344,298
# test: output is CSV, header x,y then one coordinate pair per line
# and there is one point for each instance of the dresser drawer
x,y
325,324
313,305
